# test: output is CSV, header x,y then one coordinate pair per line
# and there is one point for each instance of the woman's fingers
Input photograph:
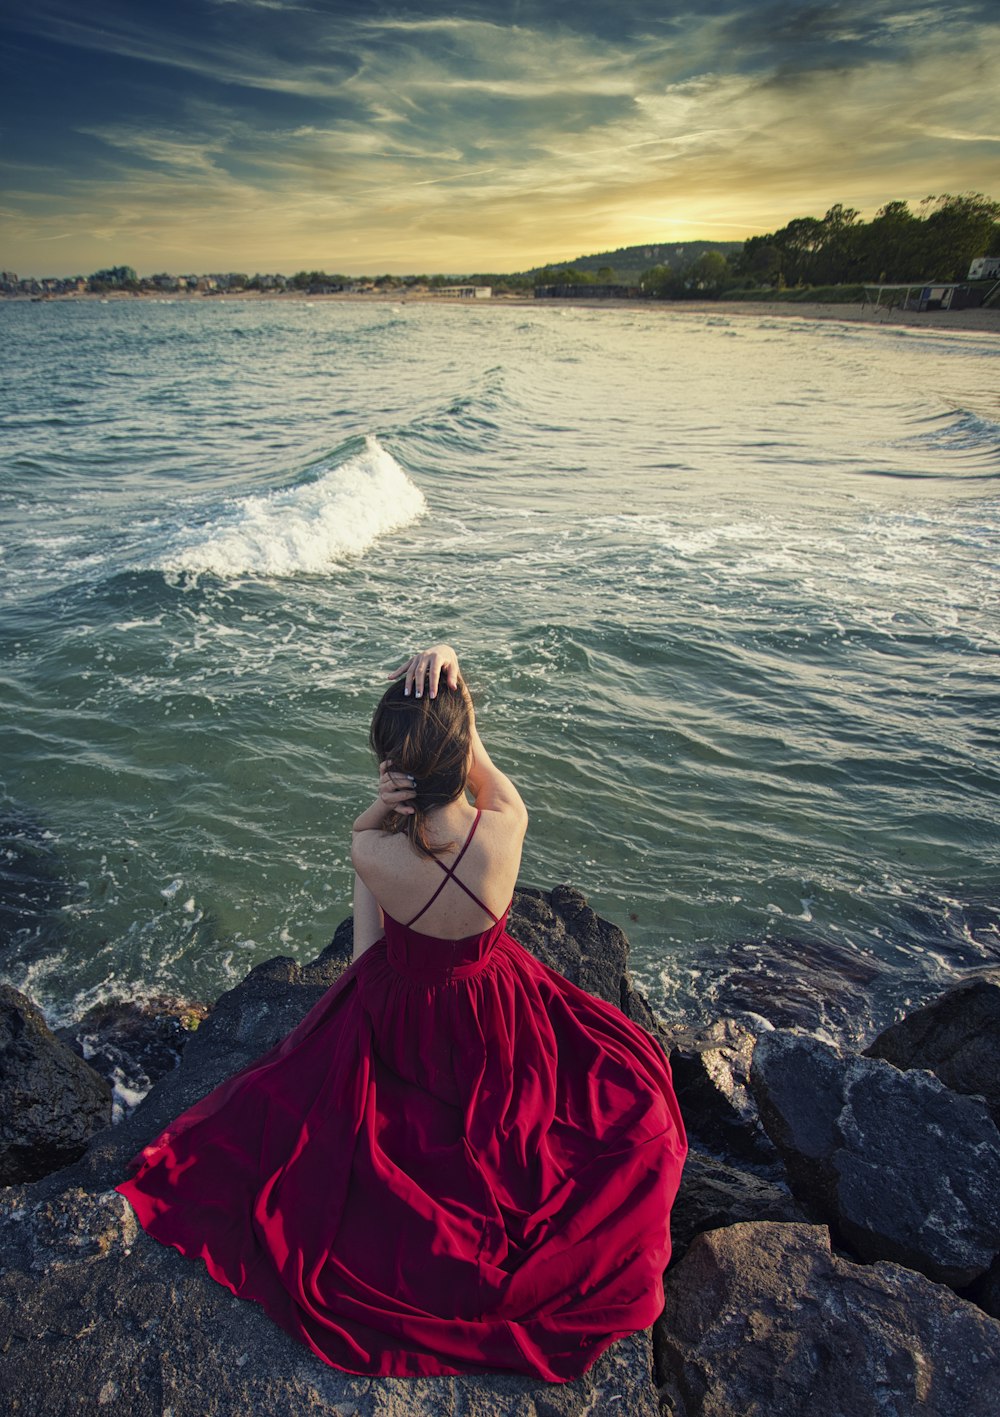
x,y
424,670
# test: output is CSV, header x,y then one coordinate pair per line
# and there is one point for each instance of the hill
x,y
629,262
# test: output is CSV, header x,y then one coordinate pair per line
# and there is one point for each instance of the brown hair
x,y
431,740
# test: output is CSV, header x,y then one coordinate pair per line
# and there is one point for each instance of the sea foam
x,y
304,529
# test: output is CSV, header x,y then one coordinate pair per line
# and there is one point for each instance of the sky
x,y
355,136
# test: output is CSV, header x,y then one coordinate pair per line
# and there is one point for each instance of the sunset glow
x,y
269,135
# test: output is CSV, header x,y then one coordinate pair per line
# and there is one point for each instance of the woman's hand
x,y
428,666
396,789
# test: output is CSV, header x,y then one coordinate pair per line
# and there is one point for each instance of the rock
x,y
559,928
50,1100
815,985
762,1320
956,1037
131,1044
899,1166
95,1316
715,1194
986,1291
711,1072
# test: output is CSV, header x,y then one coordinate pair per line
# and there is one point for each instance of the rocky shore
x,y
837,1233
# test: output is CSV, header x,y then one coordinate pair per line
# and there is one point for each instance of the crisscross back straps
x,y
449,875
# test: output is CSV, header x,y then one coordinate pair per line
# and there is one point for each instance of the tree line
x,y
938,243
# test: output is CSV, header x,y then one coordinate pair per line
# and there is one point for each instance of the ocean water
x,y
726,589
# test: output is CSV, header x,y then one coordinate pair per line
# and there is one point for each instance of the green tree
x,y
761,262
659,283
707,275
891,244
956,231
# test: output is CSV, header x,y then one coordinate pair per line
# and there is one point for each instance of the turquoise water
x,y
726,589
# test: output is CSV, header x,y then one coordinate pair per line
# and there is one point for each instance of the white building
x,y
466,292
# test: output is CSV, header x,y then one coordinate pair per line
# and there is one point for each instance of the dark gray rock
x,y
986,1290
956,1037
711,1072
815,985
559,928
764,1321
132,1043
715,1194
50,1100
97,1316
901,1167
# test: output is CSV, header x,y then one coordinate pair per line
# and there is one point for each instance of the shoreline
x,y
976,319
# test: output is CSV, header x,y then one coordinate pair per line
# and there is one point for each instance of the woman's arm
x,y
492,789
394,791
368,921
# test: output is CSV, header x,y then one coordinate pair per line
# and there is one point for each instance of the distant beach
x,y
977,320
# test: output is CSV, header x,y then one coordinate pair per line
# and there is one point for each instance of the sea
x,y
725,588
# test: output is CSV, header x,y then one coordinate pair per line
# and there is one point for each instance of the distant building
x,y
985,268
937,295
465,292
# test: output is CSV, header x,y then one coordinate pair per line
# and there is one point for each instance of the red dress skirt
x,y
457,1162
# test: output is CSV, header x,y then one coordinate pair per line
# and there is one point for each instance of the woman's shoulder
x,y
506,816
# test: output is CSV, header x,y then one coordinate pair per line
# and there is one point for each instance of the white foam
x,y
307,528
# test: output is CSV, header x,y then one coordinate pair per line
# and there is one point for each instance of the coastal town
x,y
122,280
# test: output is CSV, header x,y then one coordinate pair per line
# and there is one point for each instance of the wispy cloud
x,y
279,135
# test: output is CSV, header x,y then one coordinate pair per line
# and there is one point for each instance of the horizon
x,y
283,135
374,272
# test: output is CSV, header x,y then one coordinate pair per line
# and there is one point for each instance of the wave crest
x,y
305,529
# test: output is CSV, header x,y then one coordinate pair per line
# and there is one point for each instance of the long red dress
x,y
458,1161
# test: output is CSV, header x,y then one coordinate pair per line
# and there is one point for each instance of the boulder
x,y
95,1316
762,1320
711,1072
901,1167
51,1102
956,1037
559,928
715,1193
132,1043
816,985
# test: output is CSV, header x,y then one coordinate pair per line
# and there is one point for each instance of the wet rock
x,y
764,1321
711,1073
131,1043
814,985
715,1194
956,1037
50,1100
899,1166
559,928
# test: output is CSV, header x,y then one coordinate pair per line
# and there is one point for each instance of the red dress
x,y
457,1162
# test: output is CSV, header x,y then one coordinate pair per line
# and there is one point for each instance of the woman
x,y
458,1161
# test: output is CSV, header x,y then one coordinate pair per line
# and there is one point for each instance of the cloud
x,y
278,138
